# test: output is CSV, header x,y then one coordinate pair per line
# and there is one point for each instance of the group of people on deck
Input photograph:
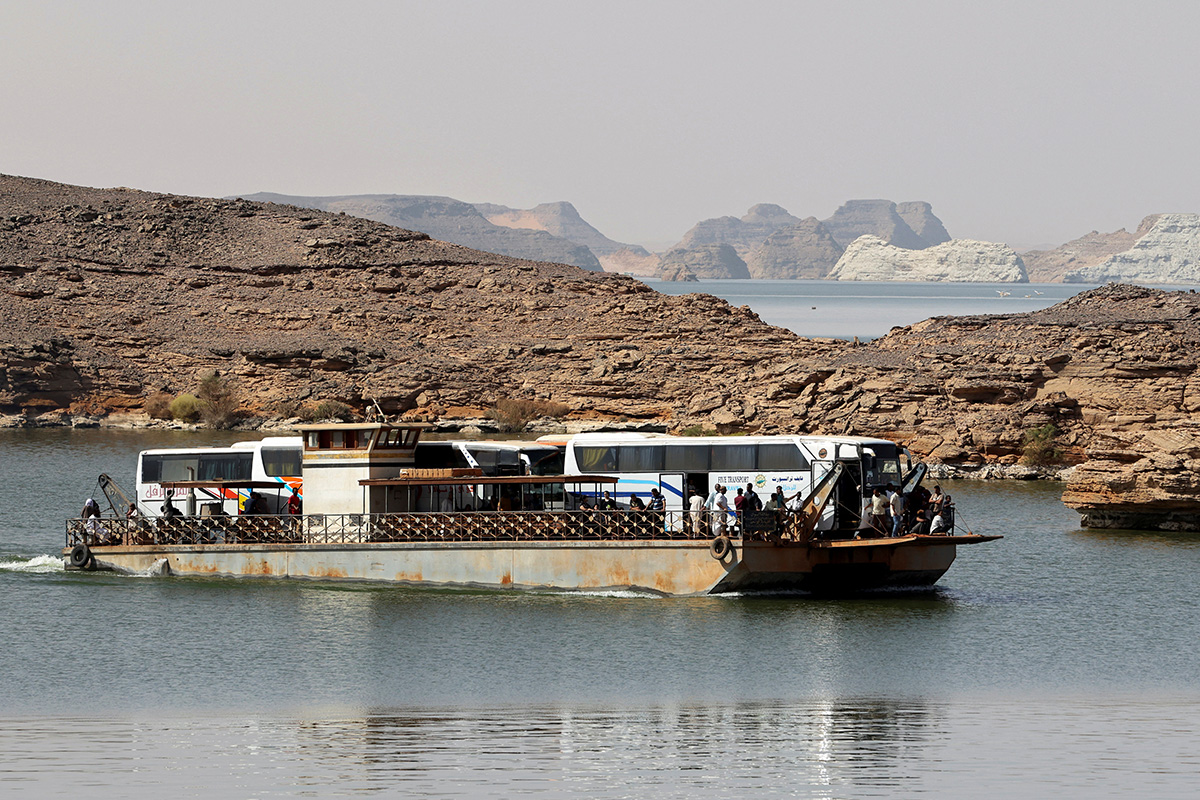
x,y
889,512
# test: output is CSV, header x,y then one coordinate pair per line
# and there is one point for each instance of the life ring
x,y
720,547
81,556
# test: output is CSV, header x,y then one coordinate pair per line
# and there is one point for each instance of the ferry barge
x,y
371,514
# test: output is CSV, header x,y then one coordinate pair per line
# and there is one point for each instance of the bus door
x,y
673,486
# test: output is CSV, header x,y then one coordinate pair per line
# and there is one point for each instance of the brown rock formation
x,y
703,261
109,296
1089,250
803,250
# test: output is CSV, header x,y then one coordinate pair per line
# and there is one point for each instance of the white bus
x,y
672,464
275,459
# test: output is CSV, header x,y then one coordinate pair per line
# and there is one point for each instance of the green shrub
x,y
697,430
185,408
1039,449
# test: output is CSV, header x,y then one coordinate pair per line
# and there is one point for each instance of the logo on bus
x,y
760,481
822,453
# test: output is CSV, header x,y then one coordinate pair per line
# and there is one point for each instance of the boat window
x,y
280,462
596,459
733,456
780,457
640,458
687,458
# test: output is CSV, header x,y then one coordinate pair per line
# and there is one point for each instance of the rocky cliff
x,y
1168,253
702,261
803,250
448,220
744,234
879,218
1089,250
109,296
559,219
918,215
869,258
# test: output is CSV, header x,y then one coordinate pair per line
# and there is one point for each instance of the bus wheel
x,y
720,547
81,556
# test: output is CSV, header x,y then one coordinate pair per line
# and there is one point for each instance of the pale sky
x,y
1021,122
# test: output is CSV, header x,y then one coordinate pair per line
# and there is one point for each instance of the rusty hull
x,y
669,567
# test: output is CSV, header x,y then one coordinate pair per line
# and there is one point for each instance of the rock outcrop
x,y
109,296
702,261
744,234
631,262
879,218
1168,253
802,250
870,258
1089,250
558,219
449,220
918,215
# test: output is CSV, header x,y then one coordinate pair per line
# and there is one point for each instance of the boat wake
x,y
36,564
155,570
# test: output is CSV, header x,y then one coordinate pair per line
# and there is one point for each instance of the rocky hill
x,y
559,219
803,250
1169,252
870,258
1049,266
449,220
879,218
702,261
112,296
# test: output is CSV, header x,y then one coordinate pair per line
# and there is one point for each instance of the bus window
x,y
781,457
280,462
546,462
733,456
225,467
686,458
596,459
640,458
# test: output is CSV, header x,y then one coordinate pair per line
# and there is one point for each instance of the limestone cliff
x,y
1168,253
918,215
1089,250
803,250
631,262
703,261
449,220
869,258
744,234
559,219
878,218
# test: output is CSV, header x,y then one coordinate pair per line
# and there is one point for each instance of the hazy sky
x,y
1021,122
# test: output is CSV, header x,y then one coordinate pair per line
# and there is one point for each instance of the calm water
x,y
1055,660
869,309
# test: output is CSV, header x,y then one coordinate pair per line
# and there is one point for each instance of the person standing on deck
x,y
897,506
696,509
721,511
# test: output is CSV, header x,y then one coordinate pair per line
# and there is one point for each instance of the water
x,y
1053,661
869,309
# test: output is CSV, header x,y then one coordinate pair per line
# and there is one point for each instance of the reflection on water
x,y
826,749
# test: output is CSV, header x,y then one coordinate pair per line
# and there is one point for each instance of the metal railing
x,y
459,526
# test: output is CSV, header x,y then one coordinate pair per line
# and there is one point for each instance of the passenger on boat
x,y
607,503
753,501
897,507
935,500
295,504
879,509
739,502
169,511
90,509
635,503
721,514
132,512
696,510
920,524
656,501
938,525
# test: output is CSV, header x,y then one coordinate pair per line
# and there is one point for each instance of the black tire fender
x,y
81,556
720,548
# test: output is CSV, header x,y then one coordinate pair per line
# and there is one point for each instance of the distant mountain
x,y
702,261
879,218
1169,252
744,234
1089,250
802,250
449,220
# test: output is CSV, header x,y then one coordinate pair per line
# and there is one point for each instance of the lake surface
x,y
869,309
1055,661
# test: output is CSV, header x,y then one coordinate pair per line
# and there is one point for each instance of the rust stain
x,y
261,568
188,566
664,582
413,577
331,572
506,579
